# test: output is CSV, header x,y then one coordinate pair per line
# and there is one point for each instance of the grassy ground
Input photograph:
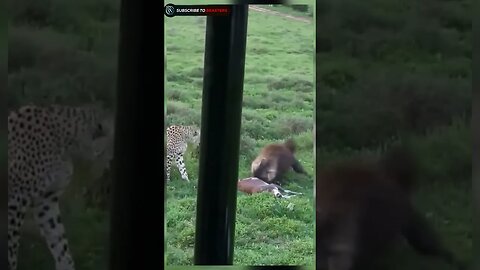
x,y
447,207
443,196
87,230
278,103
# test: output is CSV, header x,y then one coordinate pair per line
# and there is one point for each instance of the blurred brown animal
x,y
253,185
275,160
363,206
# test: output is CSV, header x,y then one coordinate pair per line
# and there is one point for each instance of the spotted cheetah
x,y
177,139
41,141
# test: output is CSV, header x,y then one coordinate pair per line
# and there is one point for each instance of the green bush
x,y
385,104
297,84
301,8
179,113
445,153
46,67
27,45
248,147
81,85
31,12
394,30
175,95
287,126
64,15
256,129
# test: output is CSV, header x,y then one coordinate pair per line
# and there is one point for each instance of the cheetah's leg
x,y
169,166
46,212
17,206
181,166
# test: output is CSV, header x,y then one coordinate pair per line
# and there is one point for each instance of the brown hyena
x,y
275,160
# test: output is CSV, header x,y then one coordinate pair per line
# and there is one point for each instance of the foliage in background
x,y
390,71
390,67
62,51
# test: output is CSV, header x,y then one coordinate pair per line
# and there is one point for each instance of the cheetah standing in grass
x,y
41,141
177,139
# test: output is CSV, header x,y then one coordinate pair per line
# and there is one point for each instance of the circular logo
x,y
170,10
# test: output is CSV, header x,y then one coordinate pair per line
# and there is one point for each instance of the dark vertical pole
x,y
136,229
476,139
128,80
3,139
220,136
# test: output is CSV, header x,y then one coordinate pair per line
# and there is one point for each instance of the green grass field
x,y
278,103
87,230
448,207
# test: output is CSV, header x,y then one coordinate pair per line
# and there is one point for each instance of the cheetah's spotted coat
x,y
40,143
178,138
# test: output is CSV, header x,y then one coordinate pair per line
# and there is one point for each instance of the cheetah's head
x,y
104,126
195,139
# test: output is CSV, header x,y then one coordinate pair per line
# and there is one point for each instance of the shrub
x,y
384,104
287,126
248,148
27,45
81,80
293,83
45,67
257,129
445,153
196,72
179,113
178,77
64,15
254,102
301,8
175,94
304,141
31,12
